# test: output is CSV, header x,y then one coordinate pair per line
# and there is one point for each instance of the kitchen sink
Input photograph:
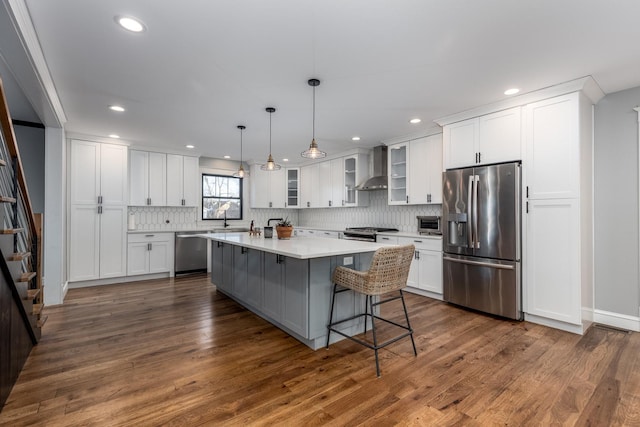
x,y
229,230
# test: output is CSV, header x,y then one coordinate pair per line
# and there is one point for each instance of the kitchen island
x,y
288,282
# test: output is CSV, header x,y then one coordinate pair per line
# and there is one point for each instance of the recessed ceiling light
x,y
117,108
114,136
189,146
227,157
131,24
414,121
355,138
285,160
511,91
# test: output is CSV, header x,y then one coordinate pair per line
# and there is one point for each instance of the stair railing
x,y
18,213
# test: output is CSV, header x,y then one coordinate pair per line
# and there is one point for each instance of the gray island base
x,y
288,282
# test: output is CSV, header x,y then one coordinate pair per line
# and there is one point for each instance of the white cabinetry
x,y
182,180
558,253
415,171
426,268
331,184
150,253
492,138
98,211
267,188
356,171
293,188
309,182
147,178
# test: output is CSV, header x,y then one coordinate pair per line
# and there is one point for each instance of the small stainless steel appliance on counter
x,y
429,225
365,234
481,239
190,252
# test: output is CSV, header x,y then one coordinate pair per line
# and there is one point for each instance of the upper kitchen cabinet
x,y
267,188
98,211
415,171
182,180
491,138
147,178
293,188
331,186
309,182
356,171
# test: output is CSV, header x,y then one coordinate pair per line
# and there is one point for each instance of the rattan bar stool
x,y
388,273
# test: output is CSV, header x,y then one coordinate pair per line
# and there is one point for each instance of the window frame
x,y
203,197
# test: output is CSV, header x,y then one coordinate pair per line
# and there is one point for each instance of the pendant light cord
x,y
313,125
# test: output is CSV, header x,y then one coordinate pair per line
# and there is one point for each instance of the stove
x,y
365,234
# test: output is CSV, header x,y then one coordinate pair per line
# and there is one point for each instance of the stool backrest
x,y
390,268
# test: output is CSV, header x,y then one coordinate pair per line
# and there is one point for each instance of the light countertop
x,y
296,247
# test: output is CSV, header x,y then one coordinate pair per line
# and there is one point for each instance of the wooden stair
x,y
19,256
26,277
5,199
11,230
32,293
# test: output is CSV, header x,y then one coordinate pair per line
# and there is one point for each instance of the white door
x,y
418,186
113,241
137,258
113,174
138,177
175,179
191,184
553,154
159,255
460,143
84,238
500,136
337,182
552,278
434,169
85,172
158,179
431,271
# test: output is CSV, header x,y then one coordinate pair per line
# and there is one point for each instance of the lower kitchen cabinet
x,y
150,253
426,268
222,268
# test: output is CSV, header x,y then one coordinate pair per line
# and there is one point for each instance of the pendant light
x,y
313,152
270,165
240,173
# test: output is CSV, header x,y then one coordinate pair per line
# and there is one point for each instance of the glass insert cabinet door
x,y
293,187
350,180
397,191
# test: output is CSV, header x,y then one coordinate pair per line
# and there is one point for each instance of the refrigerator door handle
x,y
476,187
480,263
470,240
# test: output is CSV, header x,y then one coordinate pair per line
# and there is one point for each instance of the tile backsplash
x,y
377,214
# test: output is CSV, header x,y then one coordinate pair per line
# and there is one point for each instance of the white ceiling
x,y
205,66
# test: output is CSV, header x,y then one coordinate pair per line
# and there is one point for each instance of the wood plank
x,y
176,352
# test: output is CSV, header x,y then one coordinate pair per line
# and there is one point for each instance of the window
x,y
221,197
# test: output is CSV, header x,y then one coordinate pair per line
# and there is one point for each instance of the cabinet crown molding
x,y
587,85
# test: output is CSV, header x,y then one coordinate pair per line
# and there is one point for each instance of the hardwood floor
x,y
175,352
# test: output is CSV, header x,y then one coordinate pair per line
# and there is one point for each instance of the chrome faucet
x,y
224,224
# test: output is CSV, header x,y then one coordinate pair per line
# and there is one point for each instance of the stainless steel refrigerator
x,y
481,238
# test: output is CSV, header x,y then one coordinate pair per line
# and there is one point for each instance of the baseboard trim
x,y
113,280
424,293
557,324
617,320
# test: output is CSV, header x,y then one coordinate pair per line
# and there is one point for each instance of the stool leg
x,y
366,310
375,340
406,315
333,300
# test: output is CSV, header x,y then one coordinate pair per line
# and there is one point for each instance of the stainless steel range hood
x,y
379,179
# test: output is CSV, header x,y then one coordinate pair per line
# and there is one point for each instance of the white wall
x,y
616,195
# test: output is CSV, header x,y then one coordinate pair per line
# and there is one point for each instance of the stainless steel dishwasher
x,y
190,252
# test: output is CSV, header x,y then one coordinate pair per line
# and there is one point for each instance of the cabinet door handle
x,y
270,204
148,200
308,204
279,259
330,203
149,235
220,244
479,157
183,202
415,255
149,246
407,199
527,191
100,209
244,250
99,199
